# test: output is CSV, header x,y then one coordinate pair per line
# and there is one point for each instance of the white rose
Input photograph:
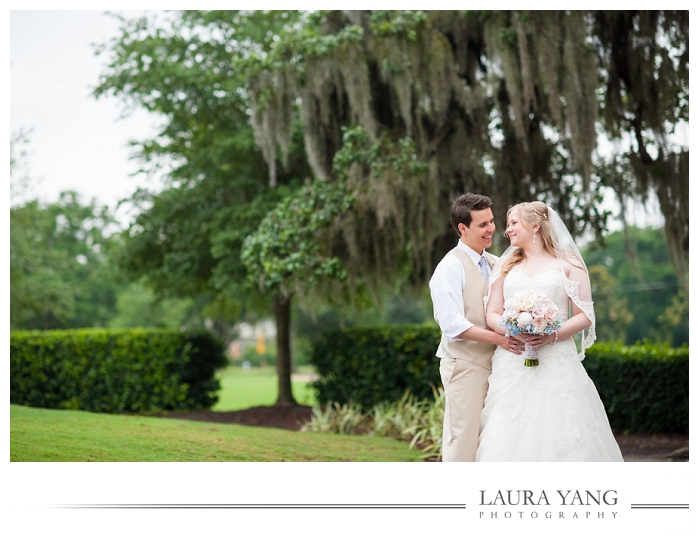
x,y
524,319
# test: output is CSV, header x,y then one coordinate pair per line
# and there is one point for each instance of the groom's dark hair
x,y
462,206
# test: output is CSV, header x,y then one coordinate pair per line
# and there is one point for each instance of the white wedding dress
x,y
551,412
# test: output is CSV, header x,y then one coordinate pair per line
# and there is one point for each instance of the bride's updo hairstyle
x,y
531,214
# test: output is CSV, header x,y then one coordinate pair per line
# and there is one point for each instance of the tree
x,y
611,309
503,103
398,113
644,57
186,241
283,258
19,170
60,274
138,306
646,287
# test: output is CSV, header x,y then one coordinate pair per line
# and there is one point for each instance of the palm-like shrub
x,y
417,421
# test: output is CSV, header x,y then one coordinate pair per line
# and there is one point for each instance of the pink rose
x,y
551,315
538,311
539,324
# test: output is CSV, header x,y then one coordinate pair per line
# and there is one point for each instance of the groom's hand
x,y
511,344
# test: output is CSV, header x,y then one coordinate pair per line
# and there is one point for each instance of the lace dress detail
x,y
547,413
573,291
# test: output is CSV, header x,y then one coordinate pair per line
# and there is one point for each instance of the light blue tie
x,y
483,267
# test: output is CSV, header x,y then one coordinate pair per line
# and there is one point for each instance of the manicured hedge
x,y
372,365
101,370
644,388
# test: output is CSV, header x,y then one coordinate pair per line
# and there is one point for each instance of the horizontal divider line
x,y
259,506
659,506
308,506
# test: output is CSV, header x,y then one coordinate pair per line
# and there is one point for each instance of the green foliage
x,y
395,309
417,421
284,254
380,155
348,419
611,310
296,44
114,371
60,273
186,69
400,23
675,318
186,243
249,354
63,264
429,431
138,306
191,67
19,166
400,419
460,98
371,366
493,104
314,44
645,387
645,279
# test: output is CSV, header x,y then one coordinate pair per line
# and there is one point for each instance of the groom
x,y
457,287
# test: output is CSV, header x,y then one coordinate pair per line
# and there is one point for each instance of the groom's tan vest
x,y
474,292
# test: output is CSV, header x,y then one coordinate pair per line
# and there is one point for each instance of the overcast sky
x,y
76,142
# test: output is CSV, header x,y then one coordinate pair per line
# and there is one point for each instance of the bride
x,y
549,412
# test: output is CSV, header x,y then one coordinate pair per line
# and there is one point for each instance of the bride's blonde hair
x,y
531,214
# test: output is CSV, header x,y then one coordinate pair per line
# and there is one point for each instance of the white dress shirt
x,y
446,289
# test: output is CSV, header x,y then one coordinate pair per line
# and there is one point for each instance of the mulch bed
x,y
636,447
283,417
654,446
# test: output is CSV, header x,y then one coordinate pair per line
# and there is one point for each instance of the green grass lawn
x,y
43,435
241,388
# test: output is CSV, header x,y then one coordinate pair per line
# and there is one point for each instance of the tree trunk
x,y
282,314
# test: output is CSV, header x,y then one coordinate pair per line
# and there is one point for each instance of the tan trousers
x,y
465,385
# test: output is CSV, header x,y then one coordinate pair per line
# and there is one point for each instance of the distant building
x,y
260,335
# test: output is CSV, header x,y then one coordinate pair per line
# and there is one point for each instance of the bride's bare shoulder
x,y
572,264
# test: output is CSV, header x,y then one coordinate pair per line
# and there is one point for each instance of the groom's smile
x,y
479,235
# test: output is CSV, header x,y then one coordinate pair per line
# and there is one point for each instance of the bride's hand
x,y
540,341
534,341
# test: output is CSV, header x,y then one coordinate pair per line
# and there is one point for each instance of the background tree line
x,y
64,274
311,157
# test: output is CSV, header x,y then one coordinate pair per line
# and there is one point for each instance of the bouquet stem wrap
x,y
531,356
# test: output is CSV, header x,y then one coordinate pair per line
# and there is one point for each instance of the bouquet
x,y
530,313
